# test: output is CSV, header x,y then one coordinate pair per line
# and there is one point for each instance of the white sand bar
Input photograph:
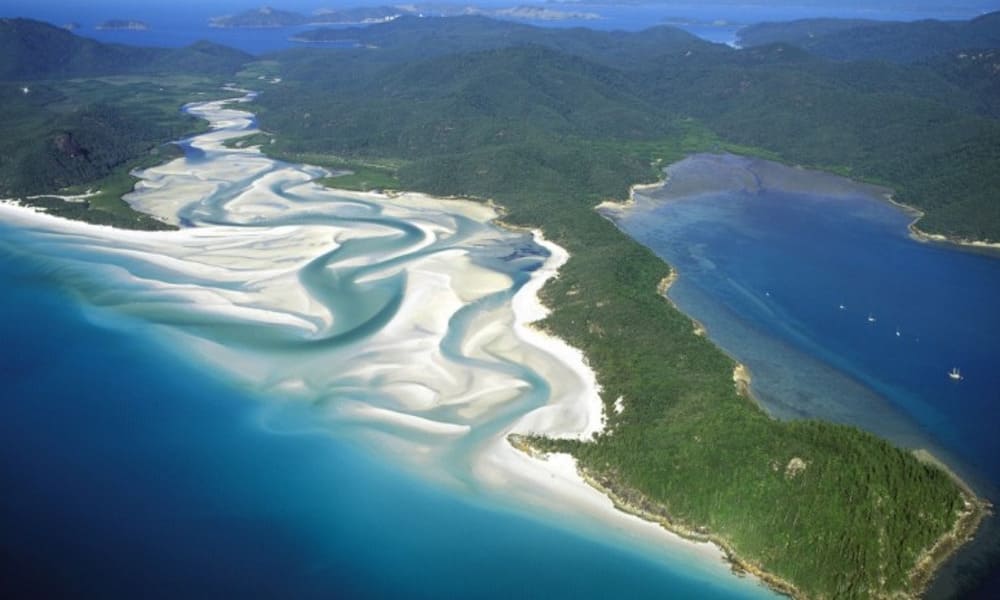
x,y
402,320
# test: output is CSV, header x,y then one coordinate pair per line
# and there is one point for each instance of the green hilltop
x,y
903,42
32,50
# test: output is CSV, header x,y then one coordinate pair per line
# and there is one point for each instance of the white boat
x,y
955,374
897,332
871,318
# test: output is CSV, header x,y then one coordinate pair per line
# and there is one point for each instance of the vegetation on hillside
x,y
80,115
32,50
902,42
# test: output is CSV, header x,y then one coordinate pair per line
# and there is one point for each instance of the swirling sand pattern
x,y
402,320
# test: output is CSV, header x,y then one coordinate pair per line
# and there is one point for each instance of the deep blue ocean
x,y
127,472
837,312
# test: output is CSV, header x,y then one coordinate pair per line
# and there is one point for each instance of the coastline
x,y
964,530
613,206
518,438
644,509
931,558
924,237
511,462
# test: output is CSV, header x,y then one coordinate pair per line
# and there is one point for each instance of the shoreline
x,y
924,237
738,565
964,530
559,474
927,565
921,575
613,206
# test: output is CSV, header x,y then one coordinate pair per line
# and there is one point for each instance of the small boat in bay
x,y
955,374
871,318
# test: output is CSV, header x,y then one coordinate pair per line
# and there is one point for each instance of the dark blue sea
x,y
815,284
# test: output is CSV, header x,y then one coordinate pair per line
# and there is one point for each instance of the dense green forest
x,y
549,123
904,42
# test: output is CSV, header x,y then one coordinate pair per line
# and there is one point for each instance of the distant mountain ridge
x,y
411,37
901,42
32,49
268,17
123,25
262,17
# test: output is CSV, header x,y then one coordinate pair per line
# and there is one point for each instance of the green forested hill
x,y
877,40
800,32
411,38
32,50
975,71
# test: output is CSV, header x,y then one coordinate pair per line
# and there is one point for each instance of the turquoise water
x,y
814,283
299,394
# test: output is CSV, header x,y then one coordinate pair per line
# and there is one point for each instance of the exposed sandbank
x,y
260,224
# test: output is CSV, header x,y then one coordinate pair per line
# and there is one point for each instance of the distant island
x,y
538,13
267,17
688,22
121,25
892,41
263,17
360,15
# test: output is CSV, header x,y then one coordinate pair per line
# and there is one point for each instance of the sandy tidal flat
x,y
404,321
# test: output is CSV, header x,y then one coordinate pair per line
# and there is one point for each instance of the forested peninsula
x,y
550,123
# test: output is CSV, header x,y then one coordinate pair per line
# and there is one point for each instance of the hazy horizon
x,y
938,6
